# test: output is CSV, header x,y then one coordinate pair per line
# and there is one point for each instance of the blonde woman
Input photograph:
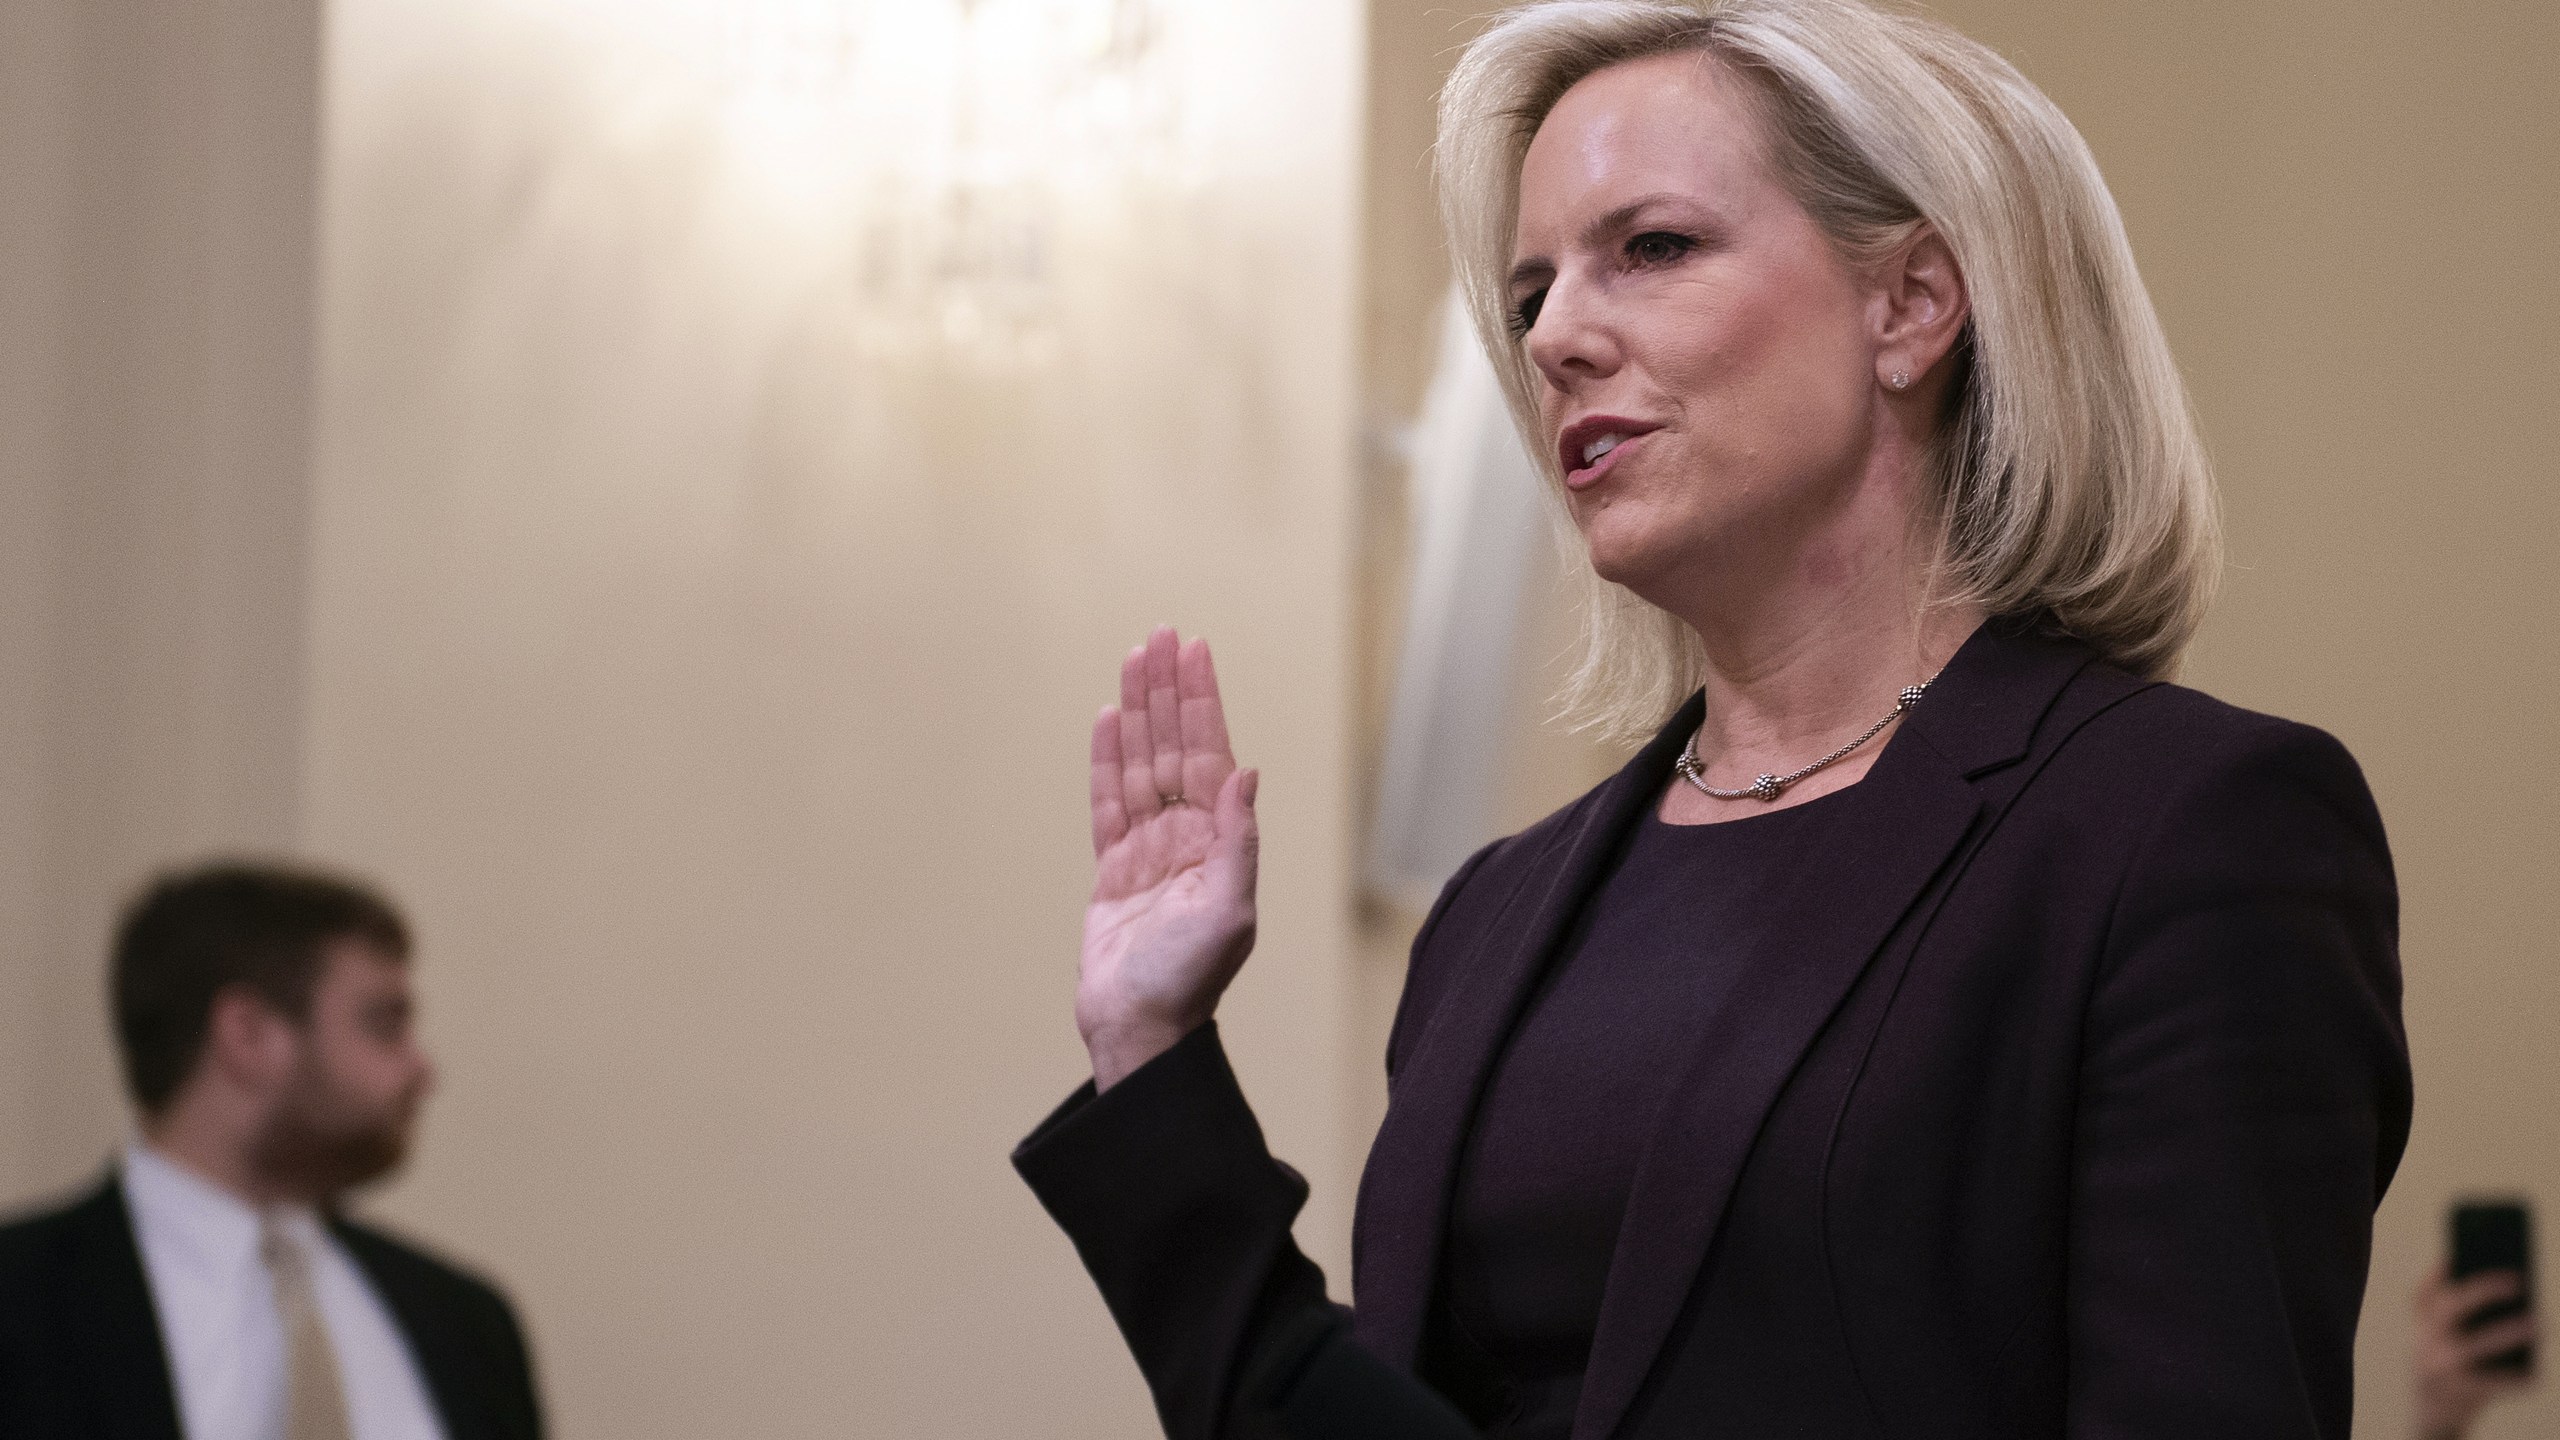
x,y
1943,1026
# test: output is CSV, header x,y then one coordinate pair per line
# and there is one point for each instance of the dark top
x,y
1552,1154
2052,1103
81,1356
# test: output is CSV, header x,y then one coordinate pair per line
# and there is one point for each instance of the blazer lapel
x,y
116,1332
1856,877
1413,1163
446,1368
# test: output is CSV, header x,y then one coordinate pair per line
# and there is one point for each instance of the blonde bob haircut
x,y
2067,478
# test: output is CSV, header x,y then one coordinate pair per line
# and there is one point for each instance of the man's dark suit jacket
x,y
81,1356
2068,1121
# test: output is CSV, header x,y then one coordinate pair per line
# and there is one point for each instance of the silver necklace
x,y
1770,787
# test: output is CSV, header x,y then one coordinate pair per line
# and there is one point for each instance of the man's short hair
x,y
197,932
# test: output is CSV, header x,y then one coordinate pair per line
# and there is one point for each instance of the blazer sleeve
x,y
2244,1099
1182,1216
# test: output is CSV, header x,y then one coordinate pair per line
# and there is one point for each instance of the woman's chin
x,y
1628,560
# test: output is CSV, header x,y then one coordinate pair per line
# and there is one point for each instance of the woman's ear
x,y
1922,306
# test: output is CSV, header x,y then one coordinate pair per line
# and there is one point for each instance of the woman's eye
x,y
1659,247
1524,313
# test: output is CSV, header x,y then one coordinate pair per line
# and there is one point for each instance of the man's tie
x,y
314,1407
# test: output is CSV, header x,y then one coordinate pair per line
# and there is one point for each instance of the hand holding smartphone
x,y
2496,1236
2474,1338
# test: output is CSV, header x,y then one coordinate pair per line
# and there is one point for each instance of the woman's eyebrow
x,y
1625,215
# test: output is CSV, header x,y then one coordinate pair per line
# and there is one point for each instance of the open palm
x,y
1174,845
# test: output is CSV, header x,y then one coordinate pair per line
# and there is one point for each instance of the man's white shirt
x,y
218,1320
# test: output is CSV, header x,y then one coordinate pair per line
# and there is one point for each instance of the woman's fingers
x,y
1138,792
1164,713
1169,742
1207,757
1110,811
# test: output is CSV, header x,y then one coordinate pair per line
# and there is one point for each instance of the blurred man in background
x,y
210,1288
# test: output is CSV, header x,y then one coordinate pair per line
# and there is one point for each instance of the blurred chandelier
x,y
964,135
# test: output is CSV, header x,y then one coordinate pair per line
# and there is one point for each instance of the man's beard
x,y
316,1143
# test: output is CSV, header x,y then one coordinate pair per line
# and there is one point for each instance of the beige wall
x,y
155,387
711,671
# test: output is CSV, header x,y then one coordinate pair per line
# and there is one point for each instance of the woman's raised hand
x,y
1175,851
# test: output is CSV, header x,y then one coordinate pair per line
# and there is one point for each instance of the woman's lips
x,y
1598,470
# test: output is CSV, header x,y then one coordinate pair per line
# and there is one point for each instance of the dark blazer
x,y
2069,1122
81,1356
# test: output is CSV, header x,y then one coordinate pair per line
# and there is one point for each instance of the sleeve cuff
x,y
1148,1153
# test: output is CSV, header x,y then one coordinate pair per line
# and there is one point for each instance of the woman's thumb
x,y
1238,834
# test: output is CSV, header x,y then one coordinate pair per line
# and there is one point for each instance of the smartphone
x,y
2496,1235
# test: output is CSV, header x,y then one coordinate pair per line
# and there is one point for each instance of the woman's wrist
x,y
1121,1047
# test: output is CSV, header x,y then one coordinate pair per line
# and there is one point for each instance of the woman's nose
x,y
1571,341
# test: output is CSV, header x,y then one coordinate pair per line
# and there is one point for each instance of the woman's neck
x,y
1823,675
1804,663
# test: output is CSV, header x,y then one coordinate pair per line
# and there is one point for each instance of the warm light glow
x,y
944,140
